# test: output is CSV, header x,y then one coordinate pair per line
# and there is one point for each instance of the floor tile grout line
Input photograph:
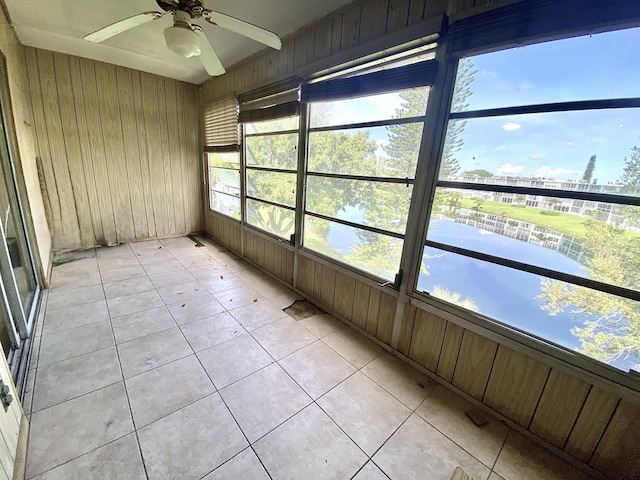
x,y
126,392
504,444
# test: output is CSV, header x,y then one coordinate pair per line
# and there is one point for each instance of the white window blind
x,y
220,125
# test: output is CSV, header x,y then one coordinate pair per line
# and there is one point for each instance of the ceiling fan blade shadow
x,y
122,26
243,28
208,55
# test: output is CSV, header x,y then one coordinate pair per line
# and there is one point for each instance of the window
x,y
224,183
362,157
536,213
222,154
271,158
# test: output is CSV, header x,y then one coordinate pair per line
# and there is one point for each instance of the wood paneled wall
x,y
583,420
117,150
595,426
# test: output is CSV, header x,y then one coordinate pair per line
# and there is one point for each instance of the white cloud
x,y
508,169
485,232
549,172
535,157
511,127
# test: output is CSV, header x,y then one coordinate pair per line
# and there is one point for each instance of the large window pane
x,y
276,220
279,125
390,151
371,252
272,186
596,243
226,204
225,181
583,68
376,204
275,151
546,150
386,106
225,160
595,323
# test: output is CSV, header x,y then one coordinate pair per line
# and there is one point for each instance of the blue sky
x,y
556,145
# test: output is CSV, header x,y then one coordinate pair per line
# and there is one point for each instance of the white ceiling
x,y
59,25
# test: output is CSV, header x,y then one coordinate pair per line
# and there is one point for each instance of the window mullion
x,y
433,135
301,184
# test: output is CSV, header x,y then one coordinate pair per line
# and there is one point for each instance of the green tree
x,y
478,172
332,152
588,172
631,172
611,330
453,143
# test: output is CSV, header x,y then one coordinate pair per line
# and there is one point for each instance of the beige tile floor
x,y
160,360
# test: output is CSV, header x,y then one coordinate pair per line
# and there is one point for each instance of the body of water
x,y
501,293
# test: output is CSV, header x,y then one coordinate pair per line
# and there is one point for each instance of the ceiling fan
x,y
186,38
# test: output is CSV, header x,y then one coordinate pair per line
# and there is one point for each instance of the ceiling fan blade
x,y
208,55
243,28
122,26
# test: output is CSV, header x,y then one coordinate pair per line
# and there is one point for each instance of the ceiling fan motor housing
x,y
192,7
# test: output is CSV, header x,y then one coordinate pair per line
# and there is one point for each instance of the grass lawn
x,y
563,222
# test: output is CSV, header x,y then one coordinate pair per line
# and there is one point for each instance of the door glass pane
x,y
16,245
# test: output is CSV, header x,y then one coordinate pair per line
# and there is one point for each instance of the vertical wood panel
x,y
336,33
68,229
426,340
351,27
406,329
386,317
449,353
144,153
323,35
85,151
304,48
278,253
398,15
474,364
618,453
592,421
515,385
306,275
131,153
272,64
373,21
174,158
154,150
317,282
51,199
71,142
559,406
108,103
344,295
269,260
416,11
374,311
327,293
290,262
361,304
98,149
438,7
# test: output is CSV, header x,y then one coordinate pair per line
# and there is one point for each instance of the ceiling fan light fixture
x,y
182,40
